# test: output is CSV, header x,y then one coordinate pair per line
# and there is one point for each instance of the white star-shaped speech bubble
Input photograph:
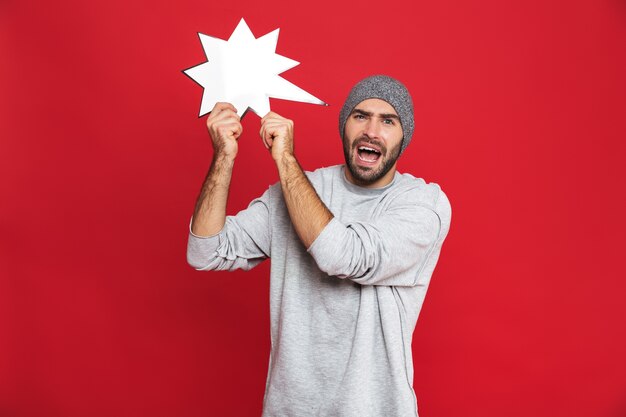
x,y
244,71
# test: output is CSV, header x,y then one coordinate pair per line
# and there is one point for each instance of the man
x,y
353,248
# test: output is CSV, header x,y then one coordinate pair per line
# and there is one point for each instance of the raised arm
x,y
309,215
399,246
217,241
210,212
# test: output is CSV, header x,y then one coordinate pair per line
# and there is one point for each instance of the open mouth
x,y
368,154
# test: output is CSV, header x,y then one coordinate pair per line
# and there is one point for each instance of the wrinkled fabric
x,y
342,311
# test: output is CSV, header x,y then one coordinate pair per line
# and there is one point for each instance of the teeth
x,y
365,148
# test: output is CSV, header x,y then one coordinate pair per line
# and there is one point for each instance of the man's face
x,y
371,143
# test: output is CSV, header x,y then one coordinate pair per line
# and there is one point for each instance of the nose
x,y
372,128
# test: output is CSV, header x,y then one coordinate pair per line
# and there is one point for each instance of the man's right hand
x,y
225,128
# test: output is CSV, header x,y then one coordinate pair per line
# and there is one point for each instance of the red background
x,y
521,118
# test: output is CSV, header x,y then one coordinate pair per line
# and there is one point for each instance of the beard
x,y
369,175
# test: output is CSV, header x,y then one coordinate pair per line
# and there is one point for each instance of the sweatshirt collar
x,y
362,190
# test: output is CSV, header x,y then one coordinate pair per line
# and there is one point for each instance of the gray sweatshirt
x,y
342,311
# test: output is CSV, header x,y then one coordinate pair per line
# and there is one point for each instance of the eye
x,y
358,116
389,122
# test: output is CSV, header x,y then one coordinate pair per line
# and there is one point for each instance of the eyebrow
x,y
381,115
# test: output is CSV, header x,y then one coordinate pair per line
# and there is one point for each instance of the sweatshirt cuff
x,y
201,237
201,248
328,245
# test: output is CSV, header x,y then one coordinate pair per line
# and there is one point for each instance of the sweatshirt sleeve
x,y
243,242
399,247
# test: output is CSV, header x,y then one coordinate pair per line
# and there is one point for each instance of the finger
x,y
278,130
227,117
267,126
239,130
225,114
221,106
266,143
272,116
266,135
270,132
278,123
236,129
262,134
272,123
226,130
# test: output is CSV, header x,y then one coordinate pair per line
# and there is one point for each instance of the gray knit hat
x,y
384,88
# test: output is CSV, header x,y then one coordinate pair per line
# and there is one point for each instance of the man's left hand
x,y
277,135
